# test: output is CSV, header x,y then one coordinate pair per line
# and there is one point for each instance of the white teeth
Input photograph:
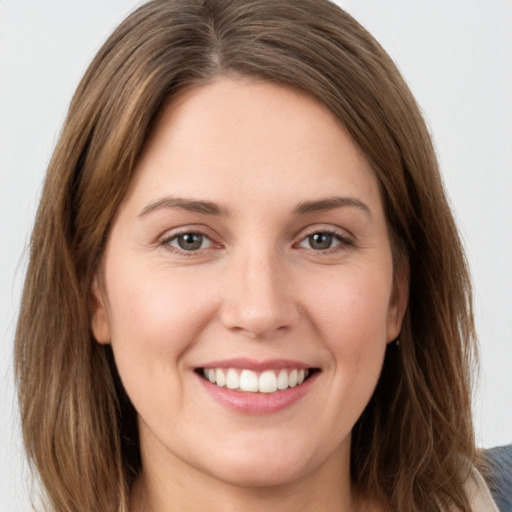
x,y
268,381
219,377
282,380
248,381
232,379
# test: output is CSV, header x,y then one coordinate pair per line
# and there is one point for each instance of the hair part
x,y
79,427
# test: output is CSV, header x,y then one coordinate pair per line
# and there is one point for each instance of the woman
x,y
246,289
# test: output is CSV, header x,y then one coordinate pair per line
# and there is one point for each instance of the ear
x,y
100,323
398,303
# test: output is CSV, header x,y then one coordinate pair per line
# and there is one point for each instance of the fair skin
x,y
253,238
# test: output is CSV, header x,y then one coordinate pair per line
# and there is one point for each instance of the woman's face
x,y
250,251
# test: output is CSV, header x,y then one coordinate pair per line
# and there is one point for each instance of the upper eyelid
x,y
323,228
183,230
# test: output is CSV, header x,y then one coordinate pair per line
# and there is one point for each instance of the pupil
x,y
320,241
190,241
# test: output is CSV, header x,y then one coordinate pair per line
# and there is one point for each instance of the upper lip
x,y
255,365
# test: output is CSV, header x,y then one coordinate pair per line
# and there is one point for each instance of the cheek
x,y
350,309
156,315
156,318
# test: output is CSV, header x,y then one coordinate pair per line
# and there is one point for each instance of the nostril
x,y
259,322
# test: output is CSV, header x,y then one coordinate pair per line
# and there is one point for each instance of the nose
x,y
259,300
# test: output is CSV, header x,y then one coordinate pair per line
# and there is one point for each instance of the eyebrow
x,y
211,208
331,203
191,205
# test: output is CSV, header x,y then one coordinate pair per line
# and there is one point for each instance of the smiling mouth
x,y
249,381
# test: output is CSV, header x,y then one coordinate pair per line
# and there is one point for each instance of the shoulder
x,y
479,494
499,478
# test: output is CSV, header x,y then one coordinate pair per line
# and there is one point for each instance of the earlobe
x,y
398,304
100,323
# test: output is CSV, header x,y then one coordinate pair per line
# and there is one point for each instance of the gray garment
x,y
500,478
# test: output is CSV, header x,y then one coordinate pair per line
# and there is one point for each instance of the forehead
x,y
236,136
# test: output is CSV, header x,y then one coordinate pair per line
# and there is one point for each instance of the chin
x,y
262,465
263,474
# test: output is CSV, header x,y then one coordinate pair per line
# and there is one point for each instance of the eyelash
x,y
166,243
344,242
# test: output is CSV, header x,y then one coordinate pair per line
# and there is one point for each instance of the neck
x,y
147,497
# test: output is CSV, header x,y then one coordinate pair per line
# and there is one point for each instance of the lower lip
x,y
258,404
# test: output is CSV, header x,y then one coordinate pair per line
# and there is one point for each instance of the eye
x,y
189,241
324,240
320,241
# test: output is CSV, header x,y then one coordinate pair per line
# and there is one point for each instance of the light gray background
x,y
455,54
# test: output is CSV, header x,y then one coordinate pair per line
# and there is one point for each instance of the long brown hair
x,y
413,446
